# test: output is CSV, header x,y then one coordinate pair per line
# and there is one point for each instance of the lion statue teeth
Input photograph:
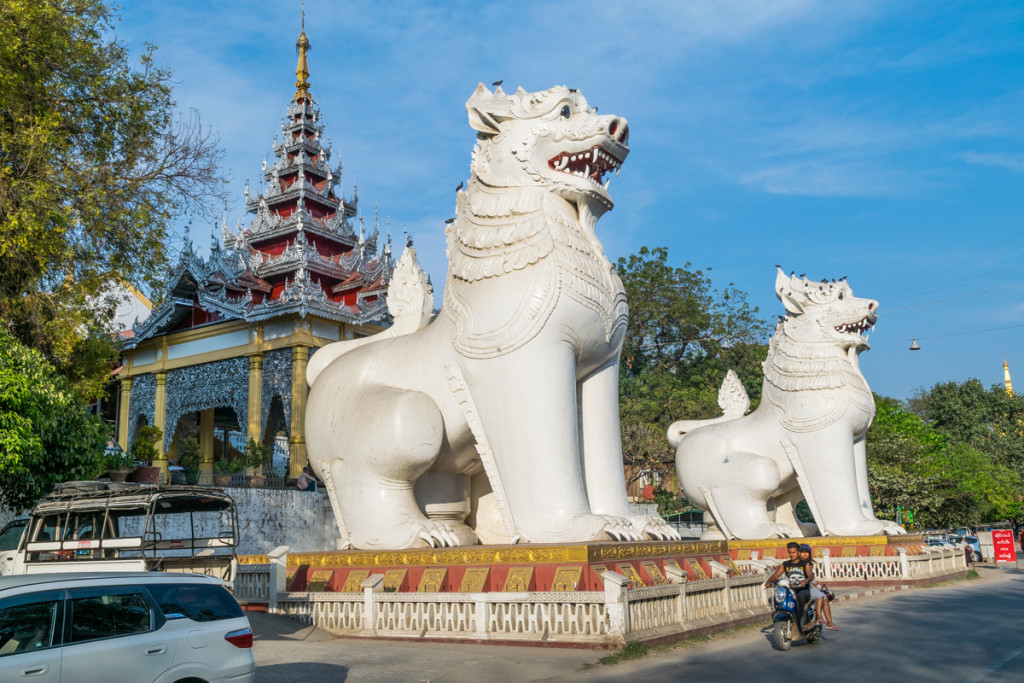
x,y
497,420
805,441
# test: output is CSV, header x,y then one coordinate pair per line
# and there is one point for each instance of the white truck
x,y
102,526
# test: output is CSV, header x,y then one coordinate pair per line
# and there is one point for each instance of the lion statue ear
x,y
787,291
480,119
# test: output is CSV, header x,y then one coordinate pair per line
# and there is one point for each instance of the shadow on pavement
x,y
301,672
276,627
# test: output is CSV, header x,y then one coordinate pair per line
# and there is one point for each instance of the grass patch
x,y
972,574
628,653
635,651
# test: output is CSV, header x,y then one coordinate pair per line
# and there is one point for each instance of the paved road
x,y
968,632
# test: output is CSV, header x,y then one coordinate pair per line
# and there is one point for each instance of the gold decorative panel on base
x,y
630,572
474,579
518,580
567,579
318,580
354,579
656,576
697,569
432,580
393,580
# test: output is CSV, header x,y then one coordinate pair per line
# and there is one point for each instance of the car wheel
x,y
976,556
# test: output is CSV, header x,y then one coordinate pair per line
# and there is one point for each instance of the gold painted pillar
x,y
297,441
206,446
123,413
255,426
159,418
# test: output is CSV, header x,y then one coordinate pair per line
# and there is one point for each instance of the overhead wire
x,y
952,334
952,298
946,284
939,285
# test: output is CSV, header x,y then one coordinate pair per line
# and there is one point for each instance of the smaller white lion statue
x,y
805,441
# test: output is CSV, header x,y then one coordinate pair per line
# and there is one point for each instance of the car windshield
x,y
11,534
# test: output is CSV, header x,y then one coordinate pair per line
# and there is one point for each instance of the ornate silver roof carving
x,y
243,279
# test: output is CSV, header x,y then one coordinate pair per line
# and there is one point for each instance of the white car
x,y
123,627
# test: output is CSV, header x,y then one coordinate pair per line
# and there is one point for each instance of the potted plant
x,y
223,470
144,451
118,464
256,456
190,456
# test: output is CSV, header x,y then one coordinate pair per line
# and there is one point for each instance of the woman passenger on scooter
x,y
821,605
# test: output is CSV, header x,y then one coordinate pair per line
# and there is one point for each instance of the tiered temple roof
x,y
298,254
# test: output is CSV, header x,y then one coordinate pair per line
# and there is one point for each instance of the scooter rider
x,y
799,573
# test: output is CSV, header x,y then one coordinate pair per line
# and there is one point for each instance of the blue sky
x,y
883,141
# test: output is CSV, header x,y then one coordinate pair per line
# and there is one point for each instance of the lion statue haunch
x,y
806,438
497,421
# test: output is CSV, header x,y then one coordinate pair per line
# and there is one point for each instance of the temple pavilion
x,y
222,358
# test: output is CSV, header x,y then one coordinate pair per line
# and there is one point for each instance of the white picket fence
x,y
616,615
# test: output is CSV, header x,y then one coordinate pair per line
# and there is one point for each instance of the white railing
x,y
259,578
613,616
595,617
932,563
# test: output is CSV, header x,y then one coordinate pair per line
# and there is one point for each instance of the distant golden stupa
x,y
1006,377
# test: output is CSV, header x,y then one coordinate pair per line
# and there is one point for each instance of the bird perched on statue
x,y
497,83
449,221
461,184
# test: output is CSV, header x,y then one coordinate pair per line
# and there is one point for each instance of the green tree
x,y
46,433
991,423
913,463
683,336
93,165
899,447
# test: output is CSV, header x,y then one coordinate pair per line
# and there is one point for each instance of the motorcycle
x,y
784,616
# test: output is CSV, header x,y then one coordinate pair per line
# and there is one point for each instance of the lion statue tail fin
x,y
732,399
410,303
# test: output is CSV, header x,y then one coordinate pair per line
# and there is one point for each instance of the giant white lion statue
x,y
806,438
497,421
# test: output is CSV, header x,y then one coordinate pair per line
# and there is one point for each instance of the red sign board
x,y
1002,542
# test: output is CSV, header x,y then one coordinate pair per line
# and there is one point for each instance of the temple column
x,y
159,419
206,446
255,426
297,440
123,413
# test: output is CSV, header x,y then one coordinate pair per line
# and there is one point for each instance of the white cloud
x,y
1013,162
822,178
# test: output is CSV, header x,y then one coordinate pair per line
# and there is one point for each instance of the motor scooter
x,y
784,615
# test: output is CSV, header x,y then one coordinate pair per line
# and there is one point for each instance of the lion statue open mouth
x,y
805,441
497,421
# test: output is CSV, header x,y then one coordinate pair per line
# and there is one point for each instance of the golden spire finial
x,y
302,46
1006,377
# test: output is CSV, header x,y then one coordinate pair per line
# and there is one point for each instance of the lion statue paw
x,y
654,527
775,530
891,528
438,535
620,528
